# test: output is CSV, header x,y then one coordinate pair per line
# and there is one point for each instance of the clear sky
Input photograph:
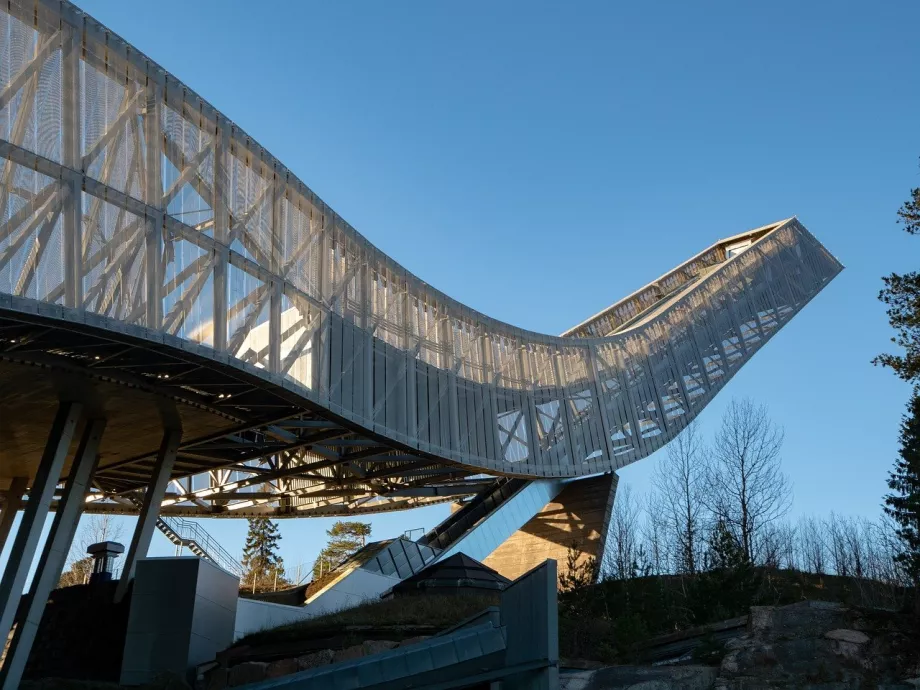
x,y
540,160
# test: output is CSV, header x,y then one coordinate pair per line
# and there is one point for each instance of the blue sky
x,y
540,160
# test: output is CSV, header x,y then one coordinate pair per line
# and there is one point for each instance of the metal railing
x,y
194,537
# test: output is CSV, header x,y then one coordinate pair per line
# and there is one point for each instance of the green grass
x,y
437,611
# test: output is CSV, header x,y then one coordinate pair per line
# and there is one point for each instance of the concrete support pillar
x,y
11,506
37,508
577,517
54,554
150,509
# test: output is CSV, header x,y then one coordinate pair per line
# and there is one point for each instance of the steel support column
x,y
11,506
54,555
153,196
150,509
37,508
72,192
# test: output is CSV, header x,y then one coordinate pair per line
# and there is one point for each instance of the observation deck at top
x,y
162,267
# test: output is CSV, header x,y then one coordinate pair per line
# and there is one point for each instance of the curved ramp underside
x,y
147,242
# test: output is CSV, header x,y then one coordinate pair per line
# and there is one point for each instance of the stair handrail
x,y
190,532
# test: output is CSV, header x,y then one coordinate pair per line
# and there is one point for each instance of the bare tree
x,y
837,545
93,529
679,481
656,534
747,489
622,552
777,546
99,527
811,546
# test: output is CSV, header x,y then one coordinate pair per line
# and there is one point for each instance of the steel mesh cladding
x,y
133,205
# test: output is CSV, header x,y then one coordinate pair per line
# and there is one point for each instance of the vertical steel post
x,y
277,287
601,402
446,338
11,506
564,411
54,555
490,378
410,349
72,38
150,509
153,223
33,518
219,206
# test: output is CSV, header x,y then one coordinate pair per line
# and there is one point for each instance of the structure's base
x,y
576,519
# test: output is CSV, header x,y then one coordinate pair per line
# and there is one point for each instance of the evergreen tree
x,y
902,296
345,538
903,505
725,552
261,562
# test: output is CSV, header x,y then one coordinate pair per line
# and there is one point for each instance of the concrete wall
x,y
577,515
357,587
182,613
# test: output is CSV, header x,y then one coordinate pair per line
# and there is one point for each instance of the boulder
x,y
320,658
247,672
216,679
282,667
851,636
349,653
377,646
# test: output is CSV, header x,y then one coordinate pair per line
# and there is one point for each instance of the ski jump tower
x,y
186,329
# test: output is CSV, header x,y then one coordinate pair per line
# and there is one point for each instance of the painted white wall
x,y
253,616
356,588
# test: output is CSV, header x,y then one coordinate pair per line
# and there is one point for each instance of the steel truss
x,y
146,239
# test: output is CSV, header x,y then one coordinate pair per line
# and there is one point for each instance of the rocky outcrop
x,y
640,678
812,645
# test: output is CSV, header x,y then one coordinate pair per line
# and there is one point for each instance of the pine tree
x,y
902,296
903,505
345,538
725,552
261,562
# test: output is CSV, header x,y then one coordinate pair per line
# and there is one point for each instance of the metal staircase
x,y
190,535
472,512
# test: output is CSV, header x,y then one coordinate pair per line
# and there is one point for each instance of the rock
x,y
320,658
852,636
216,679
735,643
730,664
377,646
413,640
652,678
247,672
761,618
355,652
282,667
576,681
